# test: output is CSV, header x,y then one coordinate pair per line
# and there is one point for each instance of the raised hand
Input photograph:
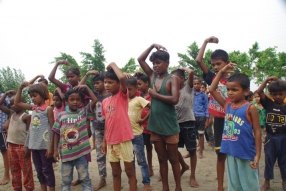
x,y
80,87
271,79
138,73
127,75
212,39
188,70
94,72
63,62
24,84
13,92
159,47
229,68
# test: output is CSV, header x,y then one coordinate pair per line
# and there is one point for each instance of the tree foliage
x,y
130,67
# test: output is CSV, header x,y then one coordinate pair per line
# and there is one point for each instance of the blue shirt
x,y
200,104
3,116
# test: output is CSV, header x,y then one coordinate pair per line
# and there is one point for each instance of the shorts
x,y
172,139
188,136
147,138
200,124
3,142
122,151
218,129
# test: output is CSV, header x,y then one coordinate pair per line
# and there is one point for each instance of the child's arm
x,y
141,59
61,94
51,119
32,81
83,80
27,120
19,95
262,86
91,94
190,76
104,146
2,99
120,76
141,121
200,56
56,145
53,73
253,113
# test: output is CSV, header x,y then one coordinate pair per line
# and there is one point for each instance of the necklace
x,y
230,117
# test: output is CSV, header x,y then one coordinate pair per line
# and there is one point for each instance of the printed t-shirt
x,y
3,116
74,139
215,108
145,111
117,123
135,107
99,120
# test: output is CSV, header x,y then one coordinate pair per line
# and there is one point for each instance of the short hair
x,y
73,70
73,91
220,54
99,77
250,94
159,54
43,80
131,81
143,77
179,72
197,79
277,86
204,84
240,78
111,74
56,94
39,89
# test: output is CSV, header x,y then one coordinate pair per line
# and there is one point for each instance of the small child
x,y
40,138
275,140
135,106
19,161
71,137
59,103
241,123
117,141
261,111
249,97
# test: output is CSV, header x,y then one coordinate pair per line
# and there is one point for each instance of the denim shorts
x,y
187,136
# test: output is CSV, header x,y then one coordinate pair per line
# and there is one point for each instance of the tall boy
x,y
163,119
275,140
118,131
219,59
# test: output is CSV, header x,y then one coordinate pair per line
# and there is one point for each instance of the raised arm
x,y
53,73
91,94
2,100
190,76
83,80
262,86
200,56
119,75
32,81
19,95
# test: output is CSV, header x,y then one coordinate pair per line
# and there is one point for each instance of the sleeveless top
x,y
237,137
163,117
17,132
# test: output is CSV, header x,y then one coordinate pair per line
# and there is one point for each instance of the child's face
x,y
256,97
74,101
142,86
36,98
235,92
111,86
72,78
131,90
57,102
250,99
218,64
278,96
99,86
160,66
14,107
197,85
203,88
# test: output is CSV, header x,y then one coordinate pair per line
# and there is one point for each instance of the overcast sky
x,y
33,32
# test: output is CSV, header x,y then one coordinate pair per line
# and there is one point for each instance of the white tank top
x,y
17,132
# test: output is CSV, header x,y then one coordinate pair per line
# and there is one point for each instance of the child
x,y
249,97
71,137
165,129
118,131
143,82
19,161
98,124
40,138
275,140
261,111
135,106
241,122
59,103
201,113
186,120
219,59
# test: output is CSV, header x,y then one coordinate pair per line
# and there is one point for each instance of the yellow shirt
x,y
135,107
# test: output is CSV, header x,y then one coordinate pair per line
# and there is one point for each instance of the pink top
x,y
117,123
58,110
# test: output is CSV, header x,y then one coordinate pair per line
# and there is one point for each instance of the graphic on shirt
x,y
98,113
230,131
36,122
275,120
110,110
71,134
213,104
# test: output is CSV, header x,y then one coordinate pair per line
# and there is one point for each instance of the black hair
x,y
131,81
73,91
250,94
111,74
198,79
179,72
204,84
220,54
73,70
43,80
277,86
143,77
159,54
39,89
99,77
240,78
56,94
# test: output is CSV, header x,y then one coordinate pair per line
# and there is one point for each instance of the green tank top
x,y
163,117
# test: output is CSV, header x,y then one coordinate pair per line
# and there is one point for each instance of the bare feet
x,y
184,169
160,179
151,173
147,187
55,164
194,183
209,144
75,183
5,180
265,185
100,185
276,164
201,155
186,156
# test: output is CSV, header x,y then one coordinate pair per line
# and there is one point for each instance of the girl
x,y
40,138
261,110
59,104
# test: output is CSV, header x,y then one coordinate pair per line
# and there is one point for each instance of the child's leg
x,y
182,162
67,174
26,166
281,159
15,167
181,144
81,165
4,147
149,149
200,124
130,172
193,161
37,160
116,173
210,133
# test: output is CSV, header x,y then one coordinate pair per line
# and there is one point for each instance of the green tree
x,y
130,67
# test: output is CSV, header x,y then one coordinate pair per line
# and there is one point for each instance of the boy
x,y
165,129
241,139
275,140
98,124
3,142
135,106
117,141
219,59
186,120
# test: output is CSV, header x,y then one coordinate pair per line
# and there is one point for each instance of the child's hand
x,y
80,87
207,123
109,66
153,91
138,73
159,47
103,147
271,79
212,39
188,70
63,62
56,156
127,75
49,153
254,164
13,92
24,84
229,68
27,152
140,121
94,72
41,76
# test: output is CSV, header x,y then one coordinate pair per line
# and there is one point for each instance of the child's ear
x,y
246,91
168,62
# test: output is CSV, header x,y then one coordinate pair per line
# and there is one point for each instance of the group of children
x,y
126,112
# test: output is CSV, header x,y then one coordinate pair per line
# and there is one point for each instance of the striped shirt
x,y
74,139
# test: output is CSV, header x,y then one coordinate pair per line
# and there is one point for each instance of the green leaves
x,y
130,67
